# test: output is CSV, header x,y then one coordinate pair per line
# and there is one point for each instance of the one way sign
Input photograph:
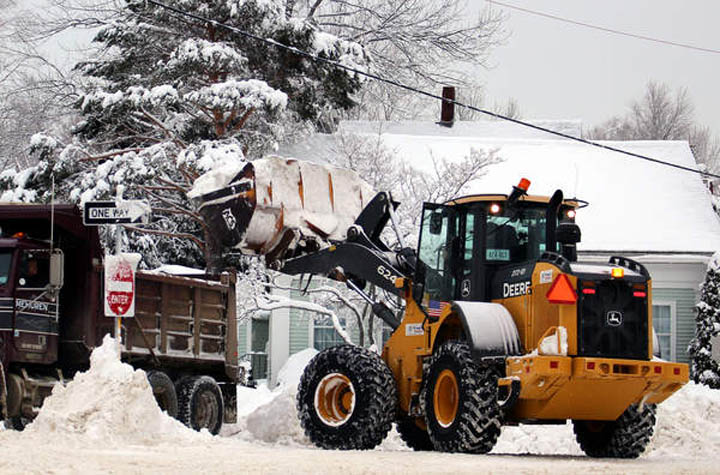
x,y
111,212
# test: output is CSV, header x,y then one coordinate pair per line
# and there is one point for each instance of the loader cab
x,y
466,242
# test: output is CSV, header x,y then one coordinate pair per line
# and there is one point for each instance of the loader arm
x,y
349,260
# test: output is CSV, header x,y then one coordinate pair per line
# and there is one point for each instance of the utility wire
x,y
420,91
602,28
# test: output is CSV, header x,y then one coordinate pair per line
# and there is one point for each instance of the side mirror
x,y
57,269
567,233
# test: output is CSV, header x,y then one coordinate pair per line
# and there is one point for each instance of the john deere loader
x,y
501,324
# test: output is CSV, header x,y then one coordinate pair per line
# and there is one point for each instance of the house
x,y
655,214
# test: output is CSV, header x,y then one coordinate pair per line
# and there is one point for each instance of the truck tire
x,y
624,438
17,423
347,399
460,399
413,436
200,403
164,391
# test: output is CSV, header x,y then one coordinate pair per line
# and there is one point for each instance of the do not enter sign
x,y
120,285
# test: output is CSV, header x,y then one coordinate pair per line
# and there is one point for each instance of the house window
x,y
664,324
260,333
324,333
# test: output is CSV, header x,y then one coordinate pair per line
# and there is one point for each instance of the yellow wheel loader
x,y
501,324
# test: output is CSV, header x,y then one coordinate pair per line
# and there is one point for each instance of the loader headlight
x,y
494,208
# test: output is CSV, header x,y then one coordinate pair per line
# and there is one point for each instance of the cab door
x,y
35,333
438,252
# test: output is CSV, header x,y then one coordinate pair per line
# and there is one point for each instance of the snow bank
x,y
688,424
110,404
275,420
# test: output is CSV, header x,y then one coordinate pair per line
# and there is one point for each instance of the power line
x,y
420,91
602,28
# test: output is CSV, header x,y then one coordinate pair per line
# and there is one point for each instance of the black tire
x,y
17,423
200,403
164,391
347,399
414,437
470,422
624,438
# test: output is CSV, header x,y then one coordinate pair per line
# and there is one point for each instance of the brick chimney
x,y
447,110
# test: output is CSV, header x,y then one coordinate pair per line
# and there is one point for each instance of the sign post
x,y
120,268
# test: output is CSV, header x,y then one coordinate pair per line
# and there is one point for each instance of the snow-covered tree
x,y
704,368
384,170
168,99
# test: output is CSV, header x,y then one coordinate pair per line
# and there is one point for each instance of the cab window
x,y
515,235
5,260
34,269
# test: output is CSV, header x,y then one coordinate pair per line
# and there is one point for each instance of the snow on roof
x,y
479,129
635,205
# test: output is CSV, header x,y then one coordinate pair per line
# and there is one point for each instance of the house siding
x,y
299,330
685,300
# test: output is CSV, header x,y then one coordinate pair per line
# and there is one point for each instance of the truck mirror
x,y
57,269
436,221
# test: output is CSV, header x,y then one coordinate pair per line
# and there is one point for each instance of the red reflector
x,y
658,369
553,364
561,291
527,369
524,184
676,371
591,365
589,291
637,293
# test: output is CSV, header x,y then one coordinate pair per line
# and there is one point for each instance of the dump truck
x,y
183,333
502,325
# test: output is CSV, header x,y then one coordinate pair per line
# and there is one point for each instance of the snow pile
x,y
276,420
110,404
688,423
537,440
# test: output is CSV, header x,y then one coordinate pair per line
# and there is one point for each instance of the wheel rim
x,y
335,399
446,398
206,415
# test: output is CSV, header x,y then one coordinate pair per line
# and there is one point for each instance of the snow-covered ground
x,y
106,421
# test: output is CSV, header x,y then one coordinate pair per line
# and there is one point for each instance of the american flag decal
x,y
435,308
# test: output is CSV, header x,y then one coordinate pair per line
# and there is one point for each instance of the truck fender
x,y
489,329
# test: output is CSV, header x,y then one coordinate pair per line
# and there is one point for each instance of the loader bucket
x,y
279,207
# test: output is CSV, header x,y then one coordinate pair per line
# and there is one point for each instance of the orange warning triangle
x,y
561,291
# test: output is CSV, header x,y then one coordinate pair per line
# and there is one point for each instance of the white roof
x,y
635,205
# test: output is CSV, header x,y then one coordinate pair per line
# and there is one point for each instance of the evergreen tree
x,y
169,99
704,368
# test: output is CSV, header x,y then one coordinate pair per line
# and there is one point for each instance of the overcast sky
x,y
559,70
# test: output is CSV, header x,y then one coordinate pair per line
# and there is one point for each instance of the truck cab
x,y
28,303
